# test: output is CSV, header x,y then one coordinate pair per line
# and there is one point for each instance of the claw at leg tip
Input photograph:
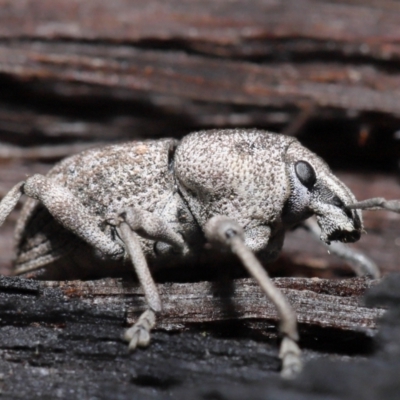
x,y
291,367
290,354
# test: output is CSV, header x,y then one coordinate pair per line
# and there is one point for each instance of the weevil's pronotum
x,y
161,200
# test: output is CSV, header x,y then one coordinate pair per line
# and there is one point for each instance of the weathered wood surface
x,y
52,332
318,302
88,71
177,59
368,27
193,77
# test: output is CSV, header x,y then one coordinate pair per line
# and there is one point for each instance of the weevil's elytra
x,y
105,181
159,201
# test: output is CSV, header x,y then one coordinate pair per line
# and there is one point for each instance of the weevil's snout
x,y
337,222
344,236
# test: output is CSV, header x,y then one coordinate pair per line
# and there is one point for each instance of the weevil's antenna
x,y
376,203
224,231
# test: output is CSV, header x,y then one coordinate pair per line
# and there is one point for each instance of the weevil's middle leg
x,y
226,232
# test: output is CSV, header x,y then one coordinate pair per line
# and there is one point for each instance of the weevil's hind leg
x,y
65,208
9,201
224,231
376,203
139,333
358,261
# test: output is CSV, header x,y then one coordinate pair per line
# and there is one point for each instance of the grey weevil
x,y
161,200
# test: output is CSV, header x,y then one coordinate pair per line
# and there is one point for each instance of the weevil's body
x,y
159,201
240,173
149,175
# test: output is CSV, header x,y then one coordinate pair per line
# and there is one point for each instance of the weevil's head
x,y
315,190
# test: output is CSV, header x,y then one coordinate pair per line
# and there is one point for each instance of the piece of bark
x,y
50,331
318,303
56,344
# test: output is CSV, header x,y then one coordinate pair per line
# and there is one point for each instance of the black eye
x,y
336,202
306,174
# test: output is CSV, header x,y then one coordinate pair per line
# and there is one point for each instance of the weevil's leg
x,y
9,201
66,209
224,231
148,225
139,333
358,261
377,203
131,223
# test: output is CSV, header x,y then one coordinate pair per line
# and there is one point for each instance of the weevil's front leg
x,y
130,224
359,262
224,231
65,208
376,203
139,333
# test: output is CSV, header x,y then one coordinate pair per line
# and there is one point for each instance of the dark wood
x,y
52,331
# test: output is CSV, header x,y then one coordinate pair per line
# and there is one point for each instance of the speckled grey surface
x,y
247,175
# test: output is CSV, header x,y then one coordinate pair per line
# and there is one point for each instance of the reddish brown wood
x,y
348,27
356,88
322,303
